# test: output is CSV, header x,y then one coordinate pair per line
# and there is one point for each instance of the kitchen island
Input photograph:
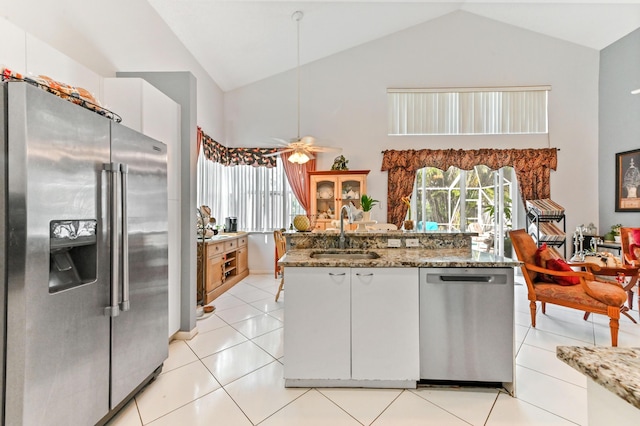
x,y
366,316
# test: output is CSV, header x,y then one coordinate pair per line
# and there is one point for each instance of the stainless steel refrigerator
x,y
83,228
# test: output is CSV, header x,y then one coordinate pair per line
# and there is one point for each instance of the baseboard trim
x,y
184,335
350,383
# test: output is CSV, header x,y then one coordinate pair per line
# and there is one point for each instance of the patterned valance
x,y
532,166
219,153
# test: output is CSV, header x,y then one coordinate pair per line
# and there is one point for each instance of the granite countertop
x,y
616,369
400,257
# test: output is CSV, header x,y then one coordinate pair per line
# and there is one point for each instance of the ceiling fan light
x,y
294,158
299,157
303,158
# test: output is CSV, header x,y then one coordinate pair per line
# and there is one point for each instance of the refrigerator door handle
x,y
113,310
125,305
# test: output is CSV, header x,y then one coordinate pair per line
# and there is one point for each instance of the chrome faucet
x,y
342,238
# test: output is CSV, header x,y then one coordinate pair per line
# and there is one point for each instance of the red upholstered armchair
x,y
587,295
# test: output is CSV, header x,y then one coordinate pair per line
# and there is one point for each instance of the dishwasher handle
x,y
467,278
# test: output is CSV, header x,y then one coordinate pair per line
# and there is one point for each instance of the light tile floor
x,y
231,374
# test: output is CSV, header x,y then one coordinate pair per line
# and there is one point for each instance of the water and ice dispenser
x,y
73,245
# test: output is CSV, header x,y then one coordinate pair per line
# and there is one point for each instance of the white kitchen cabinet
x,y
317,332
351,327
384,324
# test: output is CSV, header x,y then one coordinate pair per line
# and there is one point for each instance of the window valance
x,y
218,153
532,166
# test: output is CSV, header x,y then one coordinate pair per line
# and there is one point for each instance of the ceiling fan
x,y
302,148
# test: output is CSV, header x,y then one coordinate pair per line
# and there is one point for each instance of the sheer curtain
x,y
468,111
260,197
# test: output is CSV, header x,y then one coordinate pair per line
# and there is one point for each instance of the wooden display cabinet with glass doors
x,y
332,189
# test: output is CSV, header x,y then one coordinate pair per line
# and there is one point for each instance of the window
x,y
259,197
468,111
461,200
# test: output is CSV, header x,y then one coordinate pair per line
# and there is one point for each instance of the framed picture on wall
x,y
628,181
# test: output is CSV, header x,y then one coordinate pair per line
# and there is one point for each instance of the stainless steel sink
x,y
335,254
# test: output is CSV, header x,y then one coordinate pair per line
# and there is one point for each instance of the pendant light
x,y
299,156
302,149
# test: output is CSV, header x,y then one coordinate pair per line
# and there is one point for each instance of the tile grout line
x,y
187,403
549,375
283,407
442,408
387,407
338,405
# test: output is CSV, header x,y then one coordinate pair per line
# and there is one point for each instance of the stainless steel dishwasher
x,y
466,324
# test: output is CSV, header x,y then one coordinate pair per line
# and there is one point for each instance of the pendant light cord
x,y
297,16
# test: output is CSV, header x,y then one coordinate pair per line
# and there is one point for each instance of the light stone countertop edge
x,y
400,257
616,369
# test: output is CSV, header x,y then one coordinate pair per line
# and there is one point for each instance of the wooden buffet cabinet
x,y
225,264
332,189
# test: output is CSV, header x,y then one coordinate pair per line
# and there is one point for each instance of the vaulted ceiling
x,y
237,42
240,42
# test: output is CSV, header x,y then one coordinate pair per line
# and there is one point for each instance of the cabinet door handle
x,y
370,274
337,275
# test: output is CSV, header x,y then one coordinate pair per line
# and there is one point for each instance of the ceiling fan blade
x,y
281,141
324,149
273,154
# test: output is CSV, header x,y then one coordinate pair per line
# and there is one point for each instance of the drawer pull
x,y
337,275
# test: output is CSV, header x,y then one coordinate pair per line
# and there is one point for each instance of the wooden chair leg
x,y
626,313
533,308
280,288
614,325
544,307
630,298
275,264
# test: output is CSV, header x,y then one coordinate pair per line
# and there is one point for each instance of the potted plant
x,y
366,204
615,230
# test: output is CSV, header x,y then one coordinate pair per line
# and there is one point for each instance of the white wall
x,y
105,37
619,124
344,99
261,252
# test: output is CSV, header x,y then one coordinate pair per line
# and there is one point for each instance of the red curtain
x,y
298,179
198,140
